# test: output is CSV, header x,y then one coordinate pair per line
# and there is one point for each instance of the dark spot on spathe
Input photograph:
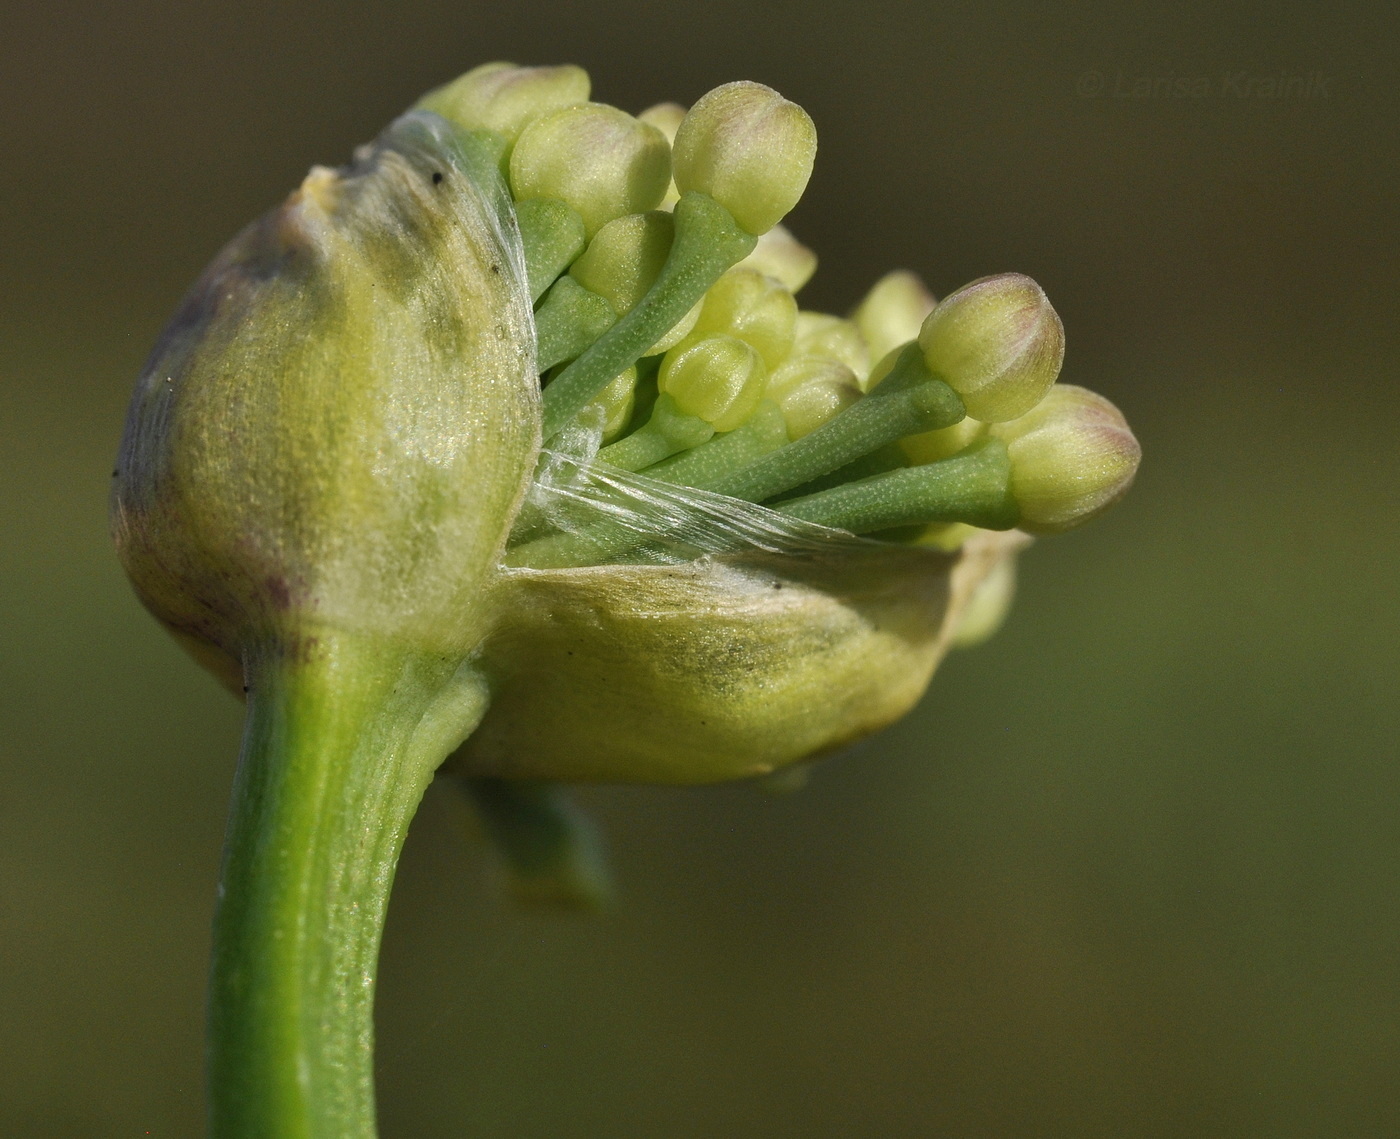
x,y
437,177
279,593
496,269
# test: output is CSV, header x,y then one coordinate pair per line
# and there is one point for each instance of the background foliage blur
x,y
1130,870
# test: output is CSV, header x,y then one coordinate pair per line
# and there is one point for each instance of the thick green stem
x,y
552,235
343,734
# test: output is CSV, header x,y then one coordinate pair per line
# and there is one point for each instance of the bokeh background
x,y
1131,869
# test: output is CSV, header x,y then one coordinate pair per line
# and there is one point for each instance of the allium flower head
x,y
360,402
509,445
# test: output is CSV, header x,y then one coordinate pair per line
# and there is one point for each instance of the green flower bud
x,y
332,488
623,261
781,256
820,334
756,309
667,118
998,343
595,158
749,149
714,377
506,99
893,312
932,446
625,258
810,390
1072,457
301,449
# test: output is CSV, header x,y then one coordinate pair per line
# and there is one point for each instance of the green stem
x,y
972,487
708,241
343,735
667,431
762,434
569,319
909,401
552,235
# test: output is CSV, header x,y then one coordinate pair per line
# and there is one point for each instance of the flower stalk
x,y
340,744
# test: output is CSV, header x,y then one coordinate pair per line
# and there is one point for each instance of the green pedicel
x,y
972,487
569,319
708,241
553,236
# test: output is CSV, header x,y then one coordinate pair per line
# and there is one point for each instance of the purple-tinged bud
x,y
749,149
998,344
1072,457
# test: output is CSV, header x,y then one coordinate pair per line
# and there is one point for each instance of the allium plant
x,y
506,451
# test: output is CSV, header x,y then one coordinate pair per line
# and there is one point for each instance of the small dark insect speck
x,y
115,473
496,269
437,177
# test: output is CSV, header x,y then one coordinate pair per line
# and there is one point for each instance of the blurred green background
x,y
1131,869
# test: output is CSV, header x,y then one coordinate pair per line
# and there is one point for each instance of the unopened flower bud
x,y
893,312
998,343
1072,457
623,261
714,377
749,149
595,158
625,257
810,390
756,309
821,334
781,256
667,118
943,443
506,99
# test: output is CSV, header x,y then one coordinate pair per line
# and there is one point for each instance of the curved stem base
x,y
342,738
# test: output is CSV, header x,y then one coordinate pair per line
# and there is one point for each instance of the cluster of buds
x,y
353,485
664,289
